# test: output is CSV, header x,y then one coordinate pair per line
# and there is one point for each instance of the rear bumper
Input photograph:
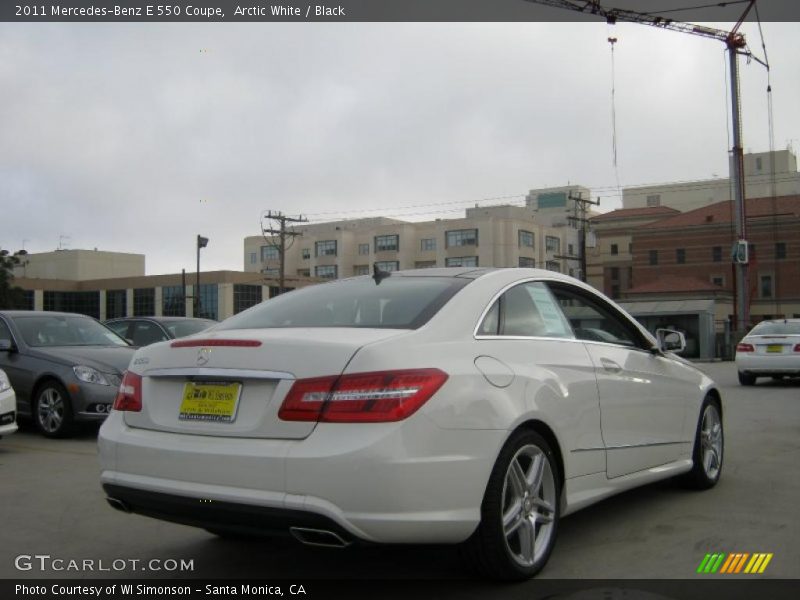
x,y
408,482
232,517
769,365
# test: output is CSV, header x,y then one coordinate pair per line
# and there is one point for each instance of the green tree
x,y
11,296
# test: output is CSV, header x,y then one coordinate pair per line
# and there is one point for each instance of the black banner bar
x,y
242,11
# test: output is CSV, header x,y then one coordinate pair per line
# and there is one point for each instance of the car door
x,y
524,341
16,365
643,393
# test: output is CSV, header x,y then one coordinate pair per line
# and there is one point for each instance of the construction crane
x,y
736,44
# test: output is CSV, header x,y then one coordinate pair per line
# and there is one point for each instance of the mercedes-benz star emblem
x,y
203,356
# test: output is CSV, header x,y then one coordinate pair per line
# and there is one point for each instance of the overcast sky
x,y
137,137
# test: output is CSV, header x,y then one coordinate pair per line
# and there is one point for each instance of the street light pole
x,y
202,242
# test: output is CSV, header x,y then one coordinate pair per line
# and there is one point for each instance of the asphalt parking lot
x,y
52,504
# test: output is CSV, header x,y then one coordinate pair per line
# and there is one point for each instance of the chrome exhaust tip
x,y
119,505
318,537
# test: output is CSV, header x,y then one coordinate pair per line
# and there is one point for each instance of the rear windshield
x,y
179,329
395,303
776,328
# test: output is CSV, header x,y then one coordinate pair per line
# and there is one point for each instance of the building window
x,y
269,253
425,264
325,271
525,238
527,262
387,243
654,200
208,302
765,286
758,163
461,261
615,290
716,254
653,254
751,252
553,265
245,296
116,304
304,272
718,280
614,249
361,270
570,249
144,302
552,244
427,244
253,258
388,265
680,256
630,247
326,248
363,249
614,273
306,253
173,302
780,250
461,237
85,303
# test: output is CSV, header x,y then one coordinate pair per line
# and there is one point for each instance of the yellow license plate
x,y
210,401
774,348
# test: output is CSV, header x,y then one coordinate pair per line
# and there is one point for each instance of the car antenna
x,y
379,275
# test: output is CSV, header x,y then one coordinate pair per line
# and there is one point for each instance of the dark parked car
x,y
142,331
65,368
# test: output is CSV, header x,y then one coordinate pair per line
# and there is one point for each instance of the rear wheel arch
x,y
714,395
549,436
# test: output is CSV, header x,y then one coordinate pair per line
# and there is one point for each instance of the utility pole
x,y
580,218
283,234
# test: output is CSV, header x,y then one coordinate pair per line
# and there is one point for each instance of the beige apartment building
x,y
766,174
497,236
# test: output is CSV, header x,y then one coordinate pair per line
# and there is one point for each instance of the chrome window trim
x,y
478,336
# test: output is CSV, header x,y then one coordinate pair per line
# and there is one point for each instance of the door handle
x,y
610,365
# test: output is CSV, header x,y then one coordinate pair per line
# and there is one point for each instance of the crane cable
x,y
773,182
612,41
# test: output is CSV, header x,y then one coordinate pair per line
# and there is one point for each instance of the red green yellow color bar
x,y
736,562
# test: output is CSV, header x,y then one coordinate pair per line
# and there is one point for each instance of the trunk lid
x,y
248,379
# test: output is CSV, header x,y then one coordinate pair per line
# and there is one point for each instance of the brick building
x,y
693,250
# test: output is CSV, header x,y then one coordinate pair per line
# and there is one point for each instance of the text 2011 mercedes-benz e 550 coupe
x,y
465,406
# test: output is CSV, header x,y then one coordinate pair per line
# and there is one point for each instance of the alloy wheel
x,y
528,505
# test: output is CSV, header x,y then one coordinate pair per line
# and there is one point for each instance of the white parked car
x,y
430,406
8,406
770,349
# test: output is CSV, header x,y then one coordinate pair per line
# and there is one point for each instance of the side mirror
x,y
670,341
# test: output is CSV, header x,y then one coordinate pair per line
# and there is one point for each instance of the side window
x,y
5,333
145,333
594,320
526,310
120,328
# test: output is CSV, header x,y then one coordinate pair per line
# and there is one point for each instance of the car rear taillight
x,y
745,348
377,397
129,396
797,347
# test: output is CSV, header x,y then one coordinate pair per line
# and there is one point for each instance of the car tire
x,y
709,448
52,411
520,511
746,379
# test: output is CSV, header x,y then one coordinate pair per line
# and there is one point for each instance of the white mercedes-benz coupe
x,y
465,406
